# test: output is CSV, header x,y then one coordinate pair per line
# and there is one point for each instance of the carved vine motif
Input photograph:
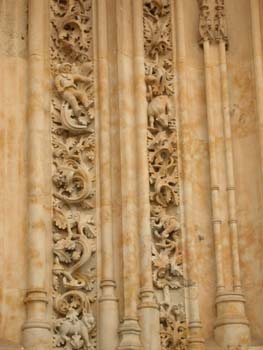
x,y
212,31
167,259
173,330
73,140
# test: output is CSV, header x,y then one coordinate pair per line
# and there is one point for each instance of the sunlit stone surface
x,y
131,147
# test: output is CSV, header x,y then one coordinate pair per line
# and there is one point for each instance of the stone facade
x,y
132,169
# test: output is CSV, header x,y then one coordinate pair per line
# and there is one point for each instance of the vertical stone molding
x,y
233,301
74,200
36,329
149,310
167,252
195,336
206,37
130,329
222,40
258,69
231,326
108,308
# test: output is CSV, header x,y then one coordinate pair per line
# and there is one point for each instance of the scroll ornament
x,y
73,140
167,261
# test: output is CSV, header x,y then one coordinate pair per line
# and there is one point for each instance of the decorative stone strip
x,y
73,140
167,256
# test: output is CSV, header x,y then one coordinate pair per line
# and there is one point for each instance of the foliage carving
x,y
73,140
167,259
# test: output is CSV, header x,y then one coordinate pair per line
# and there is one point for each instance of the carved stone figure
x,y
159,111
168,224
158,80
66,85
74,332
73,141
163,172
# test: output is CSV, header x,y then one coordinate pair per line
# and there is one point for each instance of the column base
x,y
36,333
130,335
36,336
149,321
231,327
108,308
196,340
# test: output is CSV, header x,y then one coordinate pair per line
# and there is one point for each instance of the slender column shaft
x,y
108,332
231,189
36,329
213,169
141,140
130,329
258,70
230,300
149,314
195,336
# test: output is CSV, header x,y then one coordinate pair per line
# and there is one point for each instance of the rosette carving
x,y
73,140
167,257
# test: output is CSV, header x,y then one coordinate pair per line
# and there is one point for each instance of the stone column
x,y
216,220
129,330
149,313
230,180
109,322
231,325
258,69
36,329
196,340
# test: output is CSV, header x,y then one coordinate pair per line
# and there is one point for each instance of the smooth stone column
x,y
36,329
129,329
258,69
216,220
108,308
149,310
196,339
231,325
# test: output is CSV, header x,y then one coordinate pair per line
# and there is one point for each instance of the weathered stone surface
x,y
131,147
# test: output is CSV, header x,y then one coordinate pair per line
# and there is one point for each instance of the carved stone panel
x,y
73,140
167,257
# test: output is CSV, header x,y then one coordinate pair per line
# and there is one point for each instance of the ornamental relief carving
x,y
212,30
167,259
73,141
220,22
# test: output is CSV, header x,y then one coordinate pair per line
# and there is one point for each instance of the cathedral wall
x,y
120,116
